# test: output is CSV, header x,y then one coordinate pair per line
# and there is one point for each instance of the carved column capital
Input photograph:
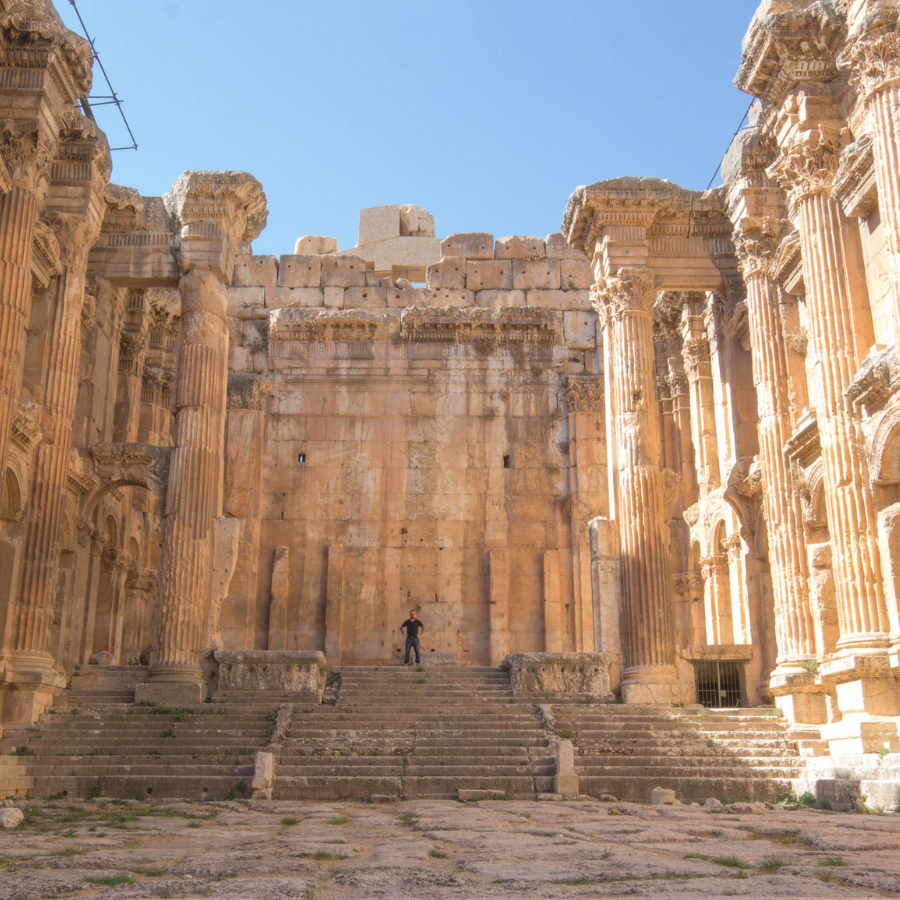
x,y
26,156
629,291
873,58
216,211
807,168
695,352
585,394
756,252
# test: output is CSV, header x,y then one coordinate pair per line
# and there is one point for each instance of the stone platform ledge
x,y
559,673
170,693
300,672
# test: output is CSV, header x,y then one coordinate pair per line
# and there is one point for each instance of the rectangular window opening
x,y
301,457
507,464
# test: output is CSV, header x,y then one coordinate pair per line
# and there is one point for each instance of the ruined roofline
x,y
639,200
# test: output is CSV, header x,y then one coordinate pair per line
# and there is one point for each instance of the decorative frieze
x,y
585,393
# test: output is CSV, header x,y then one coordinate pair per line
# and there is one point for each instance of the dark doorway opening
x,y
720,683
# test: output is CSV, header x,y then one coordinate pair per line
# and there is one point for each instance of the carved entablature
x,y
855,186
803,445
215,212
26,432
876,382
508,325
787,267
124,209
45,262
306,326
786,48
140,465
585,393
249,391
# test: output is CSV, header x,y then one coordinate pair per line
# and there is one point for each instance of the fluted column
x,y
874,61
698,368
625,304
18,216
195,478
835,310
794,627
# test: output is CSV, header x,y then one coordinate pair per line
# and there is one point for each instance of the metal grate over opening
x,y
720,683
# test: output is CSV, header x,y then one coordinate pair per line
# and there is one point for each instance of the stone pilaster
x,y
25,158
836,312
698,369
216,211
625,303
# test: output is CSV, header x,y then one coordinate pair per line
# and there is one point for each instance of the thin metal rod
x,y
112,98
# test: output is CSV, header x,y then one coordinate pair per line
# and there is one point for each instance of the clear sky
x,y
488,113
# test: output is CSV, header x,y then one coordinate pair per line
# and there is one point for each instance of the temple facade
x,y
667,435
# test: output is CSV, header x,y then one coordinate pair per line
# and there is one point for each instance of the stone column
x,y
698,368
794,625
874,62
838,312
625,303
216,210
195,477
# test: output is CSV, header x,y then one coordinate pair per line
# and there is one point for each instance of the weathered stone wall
x,y
433,426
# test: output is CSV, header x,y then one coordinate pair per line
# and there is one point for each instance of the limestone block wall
x,y
384,441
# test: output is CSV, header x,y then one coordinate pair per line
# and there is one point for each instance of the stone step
x,y
209,787
99,769
324,787
687,788
448,786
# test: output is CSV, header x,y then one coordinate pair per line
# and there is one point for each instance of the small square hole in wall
x,y
507,464
301,457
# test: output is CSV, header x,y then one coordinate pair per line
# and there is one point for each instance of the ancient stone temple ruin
x,y
663,441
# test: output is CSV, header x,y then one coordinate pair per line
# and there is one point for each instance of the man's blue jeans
x,y
414,643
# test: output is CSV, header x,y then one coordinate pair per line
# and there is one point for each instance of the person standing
x,y
413,626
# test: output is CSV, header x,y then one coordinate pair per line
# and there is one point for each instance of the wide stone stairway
x,y
699,753
415,732
436,731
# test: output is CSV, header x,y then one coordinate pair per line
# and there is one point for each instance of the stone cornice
x,y
473,324
877,380
786,48
803,445
26,432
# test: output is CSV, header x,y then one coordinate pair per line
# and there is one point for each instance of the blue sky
x,y
486,113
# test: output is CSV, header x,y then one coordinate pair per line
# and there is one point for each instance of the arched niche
x,y
11,501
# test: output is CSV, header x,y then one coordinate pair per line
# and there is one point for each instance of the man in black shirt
x,y
413,626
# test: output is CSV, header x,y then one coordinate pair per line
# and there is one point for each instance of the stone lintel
x,y
719,651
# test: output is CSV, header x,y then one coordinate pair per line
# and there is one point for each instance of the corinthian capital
x,y
629,291
26,155
755,252
584,393
872,56
806,168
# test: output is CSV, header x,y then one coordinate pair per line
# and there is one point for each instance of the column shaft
x,y
788,558
195,477
862,610
18,214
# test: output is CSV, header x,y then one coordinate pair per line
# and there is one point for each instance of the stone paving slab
x,y
255,850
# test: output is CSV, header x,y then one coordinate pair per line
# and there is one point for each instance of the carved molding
x,y
855,186
877,381
874,59
45,255
803,445
508,325
26,431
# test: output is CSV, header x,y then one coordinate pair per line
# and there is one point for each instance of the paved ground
x,y
443,849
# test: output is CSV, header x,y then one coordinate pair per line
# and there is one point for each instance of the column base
x,y
798,695
864,684
653,686
181,685
860,733
30,682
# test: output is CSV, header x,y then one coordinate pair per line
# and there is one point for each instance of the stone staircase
x,y
89,743
698,753
415,732
394,731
